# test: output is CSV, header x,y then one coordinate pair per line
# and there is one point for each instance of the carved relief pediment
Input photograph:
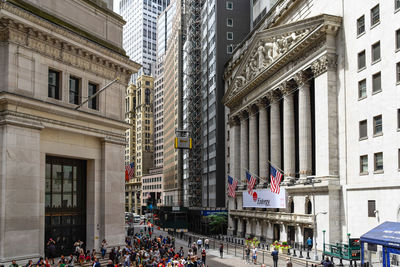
x,y
270,49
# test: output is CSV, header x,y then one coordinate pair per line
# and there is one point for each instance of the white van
x,y
136,218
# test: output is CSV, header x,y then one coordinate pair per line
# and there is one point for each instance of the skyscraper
x,y
140,31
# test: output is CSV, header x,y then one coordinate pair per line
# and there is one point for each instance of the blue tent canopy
x,y
387,234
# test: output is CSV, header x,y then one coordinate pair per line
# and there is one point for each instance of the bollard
x,y
306,263
294,252
235,250
340,262
355,263
351,263
301,254
263,256
308,255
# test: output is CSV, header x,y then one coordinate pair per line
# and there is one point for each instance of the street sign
x,y
183,142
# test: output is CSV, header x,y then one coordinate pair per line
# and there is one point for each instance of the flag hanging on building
x,y
276,177
129,171
251,182
232,183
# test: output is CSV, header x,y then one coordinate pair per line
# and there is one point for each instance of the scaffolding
x,y
193,118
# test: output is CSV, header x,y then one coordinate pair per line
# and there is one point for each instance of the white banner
x,y
264,198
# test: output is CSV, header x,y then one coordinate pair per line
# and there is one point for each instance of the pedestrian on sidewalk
x,y
247,251
309,243
207,243
203,257
221,251
189,241
103,248
275,257
254,254
199,243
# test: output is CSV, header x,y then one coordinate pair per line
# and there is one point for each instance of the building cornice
x,y
51,40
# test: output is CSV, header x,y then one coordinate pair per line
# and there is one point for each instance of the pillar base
x,y
229,232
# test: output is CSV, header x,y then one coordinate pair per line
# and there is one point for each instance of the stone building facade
x,y
292,93
62,169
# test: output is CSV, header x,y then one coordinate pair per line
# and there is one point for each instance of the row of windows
x,y
75,89
155,186
152,180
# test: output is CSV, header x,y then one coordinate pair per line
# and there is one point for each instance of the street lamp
x,y
315,229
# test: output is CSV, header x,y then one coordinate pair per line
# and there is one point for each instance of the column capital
x,y
287,87
251,109
273,95
262,103
233,121
301,78
243,115
323,64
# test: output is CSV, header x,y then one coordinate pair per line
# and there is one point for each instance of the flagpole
x,y
277,168
265,180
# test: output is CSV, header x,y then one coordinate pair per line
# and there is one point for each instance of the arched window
x,y
308,206
147,97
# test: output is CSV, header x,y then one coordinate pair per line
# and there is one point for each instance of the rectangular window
x,y
361,60
229,22
362,89
361,25
376,83
398,72
229,35
398,39
376,52
378,161
398,119
363,129
396,4
93,103
364,164
378,125
229,5
54,84
74,90
229,49
375,15
371,208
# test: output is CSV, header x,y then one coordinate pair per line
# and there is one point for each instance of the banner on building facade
x,y
264,198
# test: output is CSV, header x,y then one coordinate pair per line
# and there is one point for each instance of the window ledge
x,y
376,92
361,34
379,134
361,98
378,172
363,68
396,10
363,138
397,50
376,61
364,173
376,24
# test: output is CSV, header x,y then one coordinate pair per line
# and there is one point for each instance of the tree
x,y
218,222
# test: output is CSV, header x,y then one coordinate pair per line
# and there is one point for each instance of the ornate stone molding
x,y
262,103
243,115
323,64
302,77
252,109
233,121
287,87
274,95
54,47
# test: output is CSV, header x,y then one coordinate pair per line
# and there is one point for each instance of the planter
x,y
283,250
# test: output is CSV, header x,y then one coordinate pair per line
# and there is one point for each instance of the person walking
x,y
189,241
13,263
207,243
309,243
247,251
51,250
221,250
254,254
203,257
275,257
199,243
103,248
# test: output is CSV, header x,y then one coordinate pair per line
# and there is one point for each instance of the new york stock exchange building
x,y
314,91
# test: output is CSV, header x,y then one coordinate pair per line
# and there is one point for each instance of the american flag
x,y
276,177
129,171
232,183
251,182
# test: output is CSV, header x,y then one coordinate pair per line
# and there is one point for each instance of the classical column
x,y
289,153
326,114
263,138
253,140
235,147
275,129
305,145
244,144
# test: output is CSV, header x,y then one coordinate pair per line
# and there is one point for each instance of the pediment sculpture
x,y
264,53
